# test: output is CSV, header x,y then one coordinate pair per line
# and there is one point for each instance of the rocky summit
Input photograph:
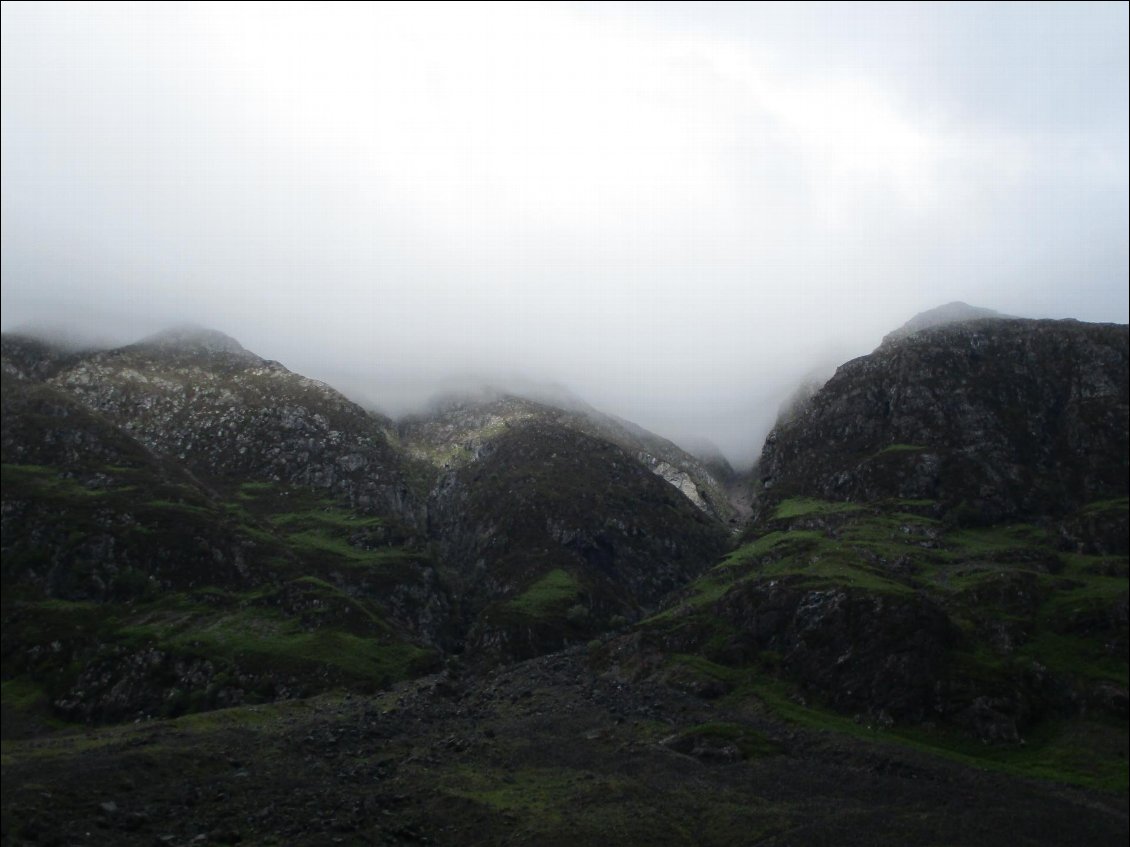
x,y
240,608
1004,419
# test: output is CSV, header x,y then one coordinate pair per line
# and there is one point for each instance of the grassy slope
x,y
1056,605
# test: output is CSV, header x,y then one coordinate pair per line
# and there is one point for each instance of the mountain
x,y
555,536
227,414
210,528
940,539
949,313
556,521
187,526
239,608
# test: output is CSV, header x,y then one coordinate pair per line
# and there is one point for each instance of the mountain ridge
x,y
459,621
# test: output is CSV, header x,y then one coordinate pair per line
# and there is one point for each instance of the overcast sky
x,y
674,210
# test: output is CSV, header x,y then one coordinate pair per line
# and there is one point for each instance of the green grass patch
x,y
814,556
259,635
835,566
990,540
1087,753
257,489
801,506
178,506
324,518
318,544
546,803
47,483
22,694
767,543
1117,504
1076,656
548,597
705,668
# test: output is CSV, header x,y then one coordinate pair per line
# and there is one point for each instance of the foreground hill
x,y
554,524
555,536
544,752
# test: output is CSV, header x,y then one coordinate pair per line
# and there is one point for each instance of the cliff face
x,y
996,418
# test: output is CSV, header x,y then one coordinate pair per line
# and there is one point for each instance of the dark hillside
x,y
556,535
993,419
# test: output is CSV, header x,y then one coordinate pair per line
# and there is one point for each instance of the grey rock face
x,y
1008,417
199,397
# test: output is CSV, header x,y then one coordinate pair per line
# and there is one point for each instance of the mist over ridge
x,y
677,213
734,427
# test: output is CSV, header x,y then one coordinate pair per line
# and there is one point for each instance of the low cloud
x,y
675,212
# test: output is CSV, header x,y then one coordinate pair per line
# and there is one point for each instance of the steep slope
x,y
555,523
230,416
940,546
554,535
992,418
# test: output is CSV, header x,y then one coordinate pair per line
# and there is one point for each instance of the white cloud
x,y
667,207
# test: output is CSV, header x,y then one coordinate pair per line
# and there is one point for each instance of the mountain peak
x,y
949,313
193,338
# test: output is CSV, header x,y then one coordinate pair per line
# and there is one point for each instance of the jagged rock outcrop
x,y
880,655
84,507
994,417
199,397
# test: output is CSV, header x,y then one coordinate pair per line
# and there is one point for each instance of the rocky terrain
x,y
940,539
541,752
996,419
194,526
238,607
